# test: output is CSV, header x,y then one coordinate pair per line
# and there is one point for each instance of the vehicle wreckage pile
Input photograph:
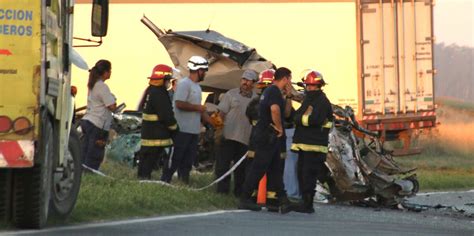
x,y
361,167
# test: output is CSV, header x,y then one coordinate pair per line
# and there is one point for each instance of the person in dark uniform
x,y
265,80
313,121
159,122
267,138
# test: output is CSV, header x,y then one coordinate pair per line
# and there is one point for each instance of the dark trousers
x,y
230,151
273,184
184,154
267,160
148,158
311,167
93,145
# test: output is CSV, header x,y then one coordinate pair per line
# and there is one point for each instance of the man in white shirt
x,y
188,112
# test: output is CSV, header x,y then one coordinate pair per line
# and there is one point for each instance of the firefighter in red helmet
x,y
313,121
159,122
265,79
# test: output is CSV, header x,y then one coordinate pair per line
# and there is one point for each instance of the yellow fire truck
x,y
40,156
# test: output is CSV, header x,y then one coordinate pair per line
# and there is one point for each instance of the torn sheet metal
x,y
227,58
362,170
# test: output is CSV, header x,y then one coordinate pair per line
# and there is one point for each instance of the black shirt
x,y
272,95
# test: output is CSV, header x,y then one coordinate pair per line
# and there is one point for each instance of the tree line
x,y
455,71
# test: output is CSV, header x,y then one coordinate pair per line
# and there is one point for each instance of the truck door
x,y
396,56
415,36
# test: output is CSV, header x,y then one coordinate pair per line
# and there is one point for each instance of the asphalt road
x,y
328,220
462,201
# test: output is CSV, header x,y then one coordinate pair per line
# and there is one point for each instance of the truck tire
x,y
66,183
32,186
5,195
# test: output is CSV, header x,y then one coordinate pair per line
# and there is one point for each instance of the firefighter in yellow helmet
x,y
158,123
313,121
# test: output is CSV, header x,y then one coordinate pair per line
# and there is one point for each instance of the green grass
x,y
441,167
455,103
104,198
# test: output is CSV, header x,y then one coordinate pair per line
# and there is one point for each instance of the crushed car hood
x,y
227,57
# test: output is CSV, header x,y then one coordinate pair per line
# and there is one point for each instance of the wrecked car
x,y
362,168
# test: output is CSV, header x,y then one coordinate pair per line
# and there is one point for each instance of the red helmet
x,y
161,71
266,77
312,77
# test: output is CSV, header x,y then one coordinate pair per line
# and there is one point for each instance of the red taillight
x,y
73,91
5,124
21,125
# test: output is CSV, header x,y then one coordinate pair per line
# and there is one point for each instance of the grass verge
x,y
441,172
447,161
123,197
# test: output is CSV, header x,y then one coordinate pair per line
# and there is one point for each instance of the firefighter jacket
x,y
158,118
252,110
252,113
313,121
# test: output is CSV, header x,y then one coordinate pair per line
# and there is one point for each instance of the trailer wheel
x,y
67,181
32,186
5,194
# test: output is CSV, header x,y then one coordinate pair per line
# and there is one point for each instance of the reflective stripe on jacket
x,y
158,118
313,121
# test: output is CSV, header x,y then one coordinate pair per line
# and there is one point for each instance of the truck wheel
x,y
5,195
67,181
31,186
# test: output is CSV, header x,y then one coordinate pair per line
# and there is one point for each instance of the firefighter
x,y
313,121
267,138
159,123
265,80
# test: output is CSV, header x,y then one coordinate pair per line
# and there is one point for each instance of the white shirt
x,y
98,99
190,92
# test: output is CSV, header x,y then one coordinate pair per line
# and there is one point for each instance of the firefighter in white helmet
x,y
188,112
313,121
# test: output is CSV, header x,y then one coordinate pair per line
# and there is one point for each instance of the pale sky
x,y
454,22
296,35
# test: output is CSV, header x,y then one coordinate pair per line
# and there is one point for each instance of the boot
x,y
246,203
285,205
272,205
307,205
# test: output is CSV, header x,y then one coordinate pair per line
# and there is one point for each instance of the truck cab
x,y
40,155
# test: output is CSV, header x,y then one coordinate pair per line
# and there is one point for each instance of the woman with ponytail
x,y
96,122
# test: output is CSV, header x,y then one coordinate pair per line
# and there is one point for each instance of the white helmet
x,y
198,62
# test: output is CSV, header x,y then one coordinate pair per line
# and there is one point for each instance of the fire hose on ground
x,y
232,169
